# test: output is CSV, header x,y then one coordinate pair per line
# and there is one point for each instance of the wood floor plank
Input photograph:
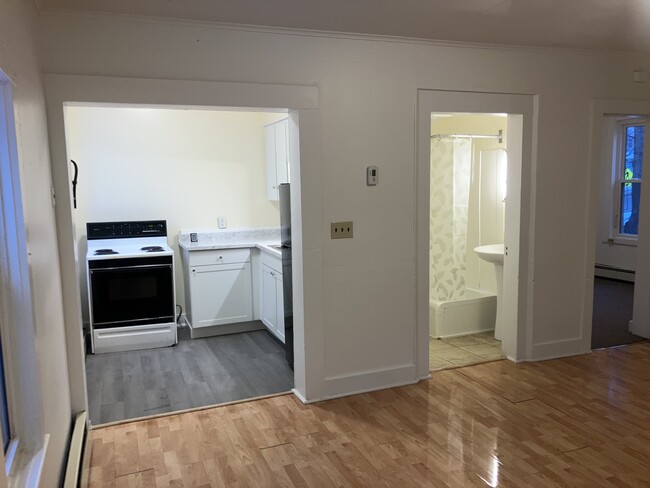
x,y
574,422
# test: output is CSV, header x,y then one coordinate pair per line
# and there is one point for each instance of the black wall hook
x,y
74,184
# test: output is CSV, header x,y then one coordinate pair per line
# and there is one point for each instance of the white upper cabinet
x,y
276,136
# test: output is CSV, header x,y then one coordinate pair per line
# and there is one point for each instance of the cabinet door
x,y
276,141
282,151
279,307
269,299
221,294
271,165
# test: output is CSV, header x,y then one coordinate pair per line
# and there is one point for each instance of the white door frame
x,y
16,308
517,346
96,90
641,320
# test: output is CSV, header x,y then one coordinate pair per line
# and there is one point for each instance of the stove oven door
x,y
128,292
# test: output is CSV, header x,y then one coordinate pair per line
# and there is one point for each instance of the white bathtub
x,y
473,313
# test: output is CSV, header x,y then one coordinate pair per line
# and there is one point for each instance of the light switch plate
x,y
372,175
342,230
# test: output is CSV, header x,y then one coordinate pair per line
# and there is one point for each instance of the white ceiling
x,y
592,24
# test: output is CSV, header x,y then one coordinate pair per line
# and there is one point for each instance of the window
x,y
628,172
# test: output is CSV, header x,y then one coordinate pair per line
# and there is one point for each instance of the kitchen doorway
x,y
211,176
69,90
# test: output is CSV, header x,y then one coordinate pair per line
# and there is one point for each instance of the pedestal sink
x,y
493,253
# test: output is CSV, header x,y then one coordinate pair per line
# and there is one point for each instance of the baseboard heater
x,y
78,454
607,271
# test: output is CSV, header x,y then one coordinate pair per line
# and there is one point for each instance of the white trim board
x,y
367,381
153,92
19,343
519,343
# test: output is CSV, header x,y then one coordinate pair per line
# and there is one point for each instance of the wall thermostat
x,y
372,175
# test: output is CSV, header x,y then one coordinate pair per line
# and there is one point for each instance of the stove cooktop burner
x,y
102,252
152,249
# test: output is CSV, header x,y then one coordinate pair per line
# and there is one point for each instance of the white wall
x,y
18,58
185,166
367,112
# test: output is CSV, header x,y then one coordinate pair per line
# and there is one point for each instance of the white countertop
x,y
238,238
263,246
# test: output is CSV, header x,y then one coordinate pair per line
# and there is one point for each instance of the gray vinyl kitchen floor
x,y
194,373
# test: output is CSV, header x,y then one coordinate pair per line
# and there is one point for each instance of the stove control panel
x,y
124,230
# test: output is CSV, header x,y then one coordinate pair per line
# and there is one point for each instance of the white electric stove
x,y
131,288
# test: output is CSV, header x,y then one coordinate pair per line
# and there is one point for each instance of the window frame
x,y
24,458
618,179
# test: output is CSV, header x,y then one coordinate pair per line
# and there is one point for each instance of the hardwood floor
x,y
575,422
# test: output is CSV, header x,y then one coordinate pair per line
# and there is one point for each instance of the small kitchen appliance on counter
x,y
131,289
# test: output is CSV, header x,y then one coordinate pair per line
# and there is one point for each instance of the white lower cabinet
x,y
220,290
272,304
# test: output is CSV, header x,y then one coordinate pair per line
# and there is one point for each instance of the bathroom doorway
x,y
453,268
467,213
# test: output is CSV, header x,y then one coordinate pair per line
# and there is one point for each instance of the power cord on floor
x,y
178,318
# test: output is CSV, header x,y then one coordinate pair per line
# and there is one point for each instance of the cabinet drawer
x,y
219,256
272,262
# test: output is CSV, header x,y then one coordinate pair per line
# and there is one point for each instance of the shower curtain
x,y
451,162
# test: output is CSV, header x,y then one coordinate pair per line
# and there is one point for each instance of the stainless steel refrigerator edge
x,y
287,285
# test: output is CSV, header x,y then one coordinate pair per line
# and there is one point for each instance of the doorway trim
x,y
641,314
89,90
519,347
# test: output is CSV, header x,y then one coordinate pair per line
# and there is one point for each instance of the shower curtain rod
x,y
472,136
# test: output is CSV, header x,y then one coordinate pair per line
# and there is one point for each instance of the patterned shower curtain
x,y
451,162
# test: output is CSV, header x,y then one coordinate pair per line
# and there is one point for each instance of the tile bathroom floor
x,y
461,351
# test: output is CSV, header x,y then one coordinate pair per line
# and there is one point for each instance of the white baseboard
x,y
352,384
559,349
300,396
367,381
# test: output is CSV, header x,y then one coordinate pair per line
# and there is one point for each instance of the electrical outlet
x,y
194,237
342,230
222,222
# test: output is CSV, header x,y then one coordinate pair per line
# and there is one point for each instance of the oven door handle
x,y
126,268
